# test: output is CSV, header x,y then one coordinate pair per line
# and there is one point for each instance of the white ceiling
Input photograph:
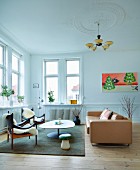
x,y
65,26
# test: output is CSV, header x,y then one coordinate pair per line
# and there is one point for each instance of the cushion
x,y
110,115
52,114
66,114
27,113
106,115
117,117
103,112
114,117
71,117
59,113
65,136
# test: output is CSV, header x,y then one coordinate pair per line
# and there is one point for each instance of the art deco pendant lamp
x,y
99,42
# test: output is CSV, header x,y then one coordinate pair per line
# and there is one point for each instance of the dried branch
x,y
77,112
128,106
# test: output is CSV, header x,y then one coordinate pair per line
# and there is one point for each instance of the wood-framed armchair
x,y
20,130
27,113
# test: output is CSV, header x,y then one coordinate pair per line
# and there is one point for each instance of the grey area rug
x,y
48,146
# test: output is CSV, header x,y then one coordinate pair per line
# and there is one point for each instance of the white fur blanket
x,y
27,113
31,130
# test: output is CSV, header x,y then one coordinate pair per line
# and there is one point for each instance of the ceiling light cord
x,y
98,28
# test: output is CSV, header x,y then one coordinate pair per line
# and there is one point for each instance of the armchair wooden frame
x,y
11,126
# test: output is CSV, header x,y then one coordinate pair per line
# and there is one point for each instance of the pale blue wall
x,y
94,64
108,62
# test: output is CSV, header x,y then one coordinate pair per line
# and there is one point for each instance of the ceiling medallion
x,y
107,13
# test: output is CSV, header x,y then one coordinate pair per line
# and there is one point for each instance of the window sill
x,y
14,106
53,104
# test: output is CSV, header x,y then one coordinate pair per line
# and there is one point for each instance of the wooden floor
x,y
112,158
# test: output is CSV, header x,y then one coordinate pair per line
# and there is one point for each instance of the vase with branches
x,y
128,106
76,113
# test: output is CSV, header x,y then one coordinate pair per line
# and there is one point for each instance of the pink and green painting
x,y
116,82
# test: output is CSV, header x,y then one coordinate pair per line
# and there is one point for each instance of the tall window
x,y
63,77
2,68
11,71
1,54
16,75
1,65
51,78
73,79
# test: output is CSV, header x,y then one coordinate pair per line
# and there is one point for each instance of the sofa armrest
x,y
110,131
94,113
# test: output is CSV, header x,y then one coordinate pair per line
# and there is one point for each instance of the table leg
x,y
55,134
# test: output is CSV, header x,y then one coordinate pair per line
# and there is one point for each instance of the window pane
x,y
52,67
0,85
1,78
14,63
72,67
1,55
15,85
52,85
73,88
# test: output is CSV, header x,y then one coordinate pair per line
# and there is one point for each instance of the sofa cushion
x,y
117,117
52,114
103,112
59,114
66,114
106,115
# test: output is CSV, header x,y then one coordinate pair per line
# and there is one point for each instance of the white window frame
x,y
18,72
3,66
73,75
6,66
62,79
49,76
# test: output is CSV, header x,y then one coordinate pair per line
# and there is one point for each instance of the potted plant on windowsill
x,y
20,98
51,96
6,92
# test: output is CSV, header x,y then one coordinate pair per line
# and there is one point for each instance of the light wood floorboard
x,y
99,158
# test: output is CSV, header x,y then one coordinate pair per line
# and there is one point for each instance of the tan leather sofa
x,y
118,131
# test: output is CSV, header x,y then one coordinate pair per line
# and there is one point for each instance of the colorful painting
x,y
116,82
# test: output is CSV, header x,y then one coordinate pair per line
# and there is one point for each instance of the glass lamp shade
x,y
105,46
109,42
89,45
93,48
98,41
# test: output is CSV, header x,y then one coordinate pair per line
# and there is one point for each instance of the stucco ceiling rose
x,y
107,13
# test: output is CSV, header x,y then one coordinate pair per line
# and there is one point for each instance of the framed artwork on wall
x,y
35,85
117,82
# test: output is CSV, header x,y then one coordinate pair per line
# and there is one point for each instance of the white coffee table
x,y
51,125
